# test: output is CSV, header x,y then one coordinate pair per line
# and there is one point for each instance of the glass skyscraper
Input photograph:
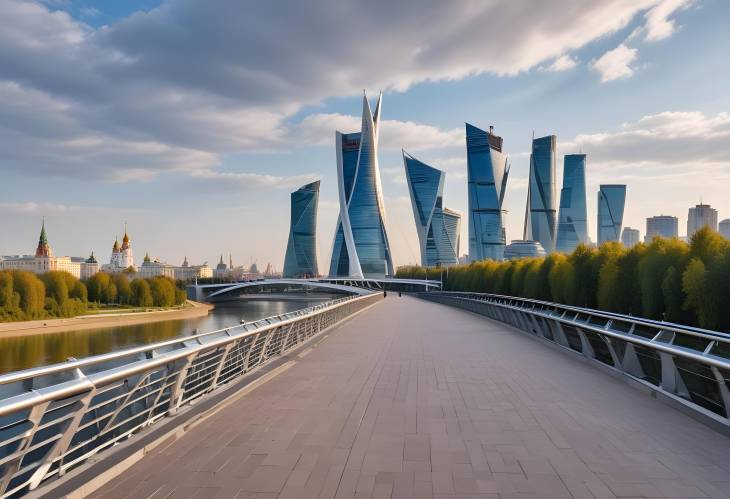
x,y
541,218
438,227
361,247
573,216
611,201
487,172
700,216
301,249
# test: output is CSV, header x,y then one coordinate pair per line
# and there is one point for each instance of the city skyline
x,y
224,163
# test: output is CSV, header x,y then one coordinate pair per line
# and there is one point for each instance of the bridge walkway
x,y
416,399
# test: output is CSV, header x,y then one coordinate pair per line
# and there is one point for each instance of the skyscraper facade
x,y
487,172
662,226
540,224
301,249
611,201
361,247
630,237
573,216
700,216
724,228
438,227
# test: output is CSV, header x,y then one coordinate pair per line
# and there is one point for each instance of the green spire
x,y
43,239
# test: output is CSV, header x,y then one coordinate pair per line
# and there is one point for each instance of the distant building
x,y
301,248
700,216
487,172
361,247
724,228
221,270
154,268
611,202
573,217
44,261
438,227
662,226
122,257
521,248
541,223
630,237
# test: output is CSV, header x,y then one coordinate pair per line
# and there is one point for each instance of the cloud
x,y
562,63
616,64
663,145
210,180
89,11
394,135
658,25
33,207
178,87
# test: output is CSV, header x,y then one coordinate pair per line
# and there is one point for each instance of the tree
x,y
97,285
141,294
32,294
673,297
56,286
163,291
585,277
608,290
79,292
707,245
694,286
124,292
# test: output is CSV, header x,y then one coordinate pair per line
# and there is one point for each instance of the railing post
x,y
724,392
221,362
176,393
11,467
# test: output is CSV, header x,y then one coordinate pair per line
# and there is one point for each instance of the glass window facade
x,y
438,227
541,198
301,249
361,247
573,216
661,225
487,172
611,201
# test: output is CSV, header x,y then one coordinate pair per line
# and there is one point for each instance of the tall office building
x,y
540,222
438,227
724,228
630,237
361,247
573,216
487,172
662,226
611,201
301,249
699,216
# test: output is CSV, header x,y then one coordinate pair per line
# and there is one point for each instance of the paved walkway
x,y
415,399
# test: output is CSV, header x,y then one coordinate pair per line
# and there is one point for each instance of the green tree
x,y
585,276
694,285
673,295
141,294
32,294
163,291
56,287
79,292
707,245
124,291
608,290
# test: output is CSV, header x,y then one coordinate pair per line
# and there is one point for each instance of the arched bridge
x,y
337,285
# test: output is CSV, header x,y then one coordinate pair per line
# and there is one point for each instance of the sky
x,y
193,121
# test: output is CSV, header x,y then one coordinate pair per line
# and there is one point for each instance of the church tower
x,y
116,260
43,249
127,257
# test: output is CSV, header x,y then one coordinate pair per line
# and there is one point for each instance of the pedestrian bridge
x,y
411,398
337,285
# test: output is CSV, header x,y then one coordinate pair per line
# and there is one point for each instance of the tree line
x,y
667,279
27,296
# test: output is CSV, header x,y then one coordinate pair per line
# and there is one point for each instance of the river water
x,y
42,349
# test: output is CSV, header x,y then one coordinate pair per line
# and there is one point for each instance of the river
x,y
23,352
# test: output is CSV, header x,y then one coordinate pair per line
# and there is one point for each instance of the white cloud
x,y
662,145
243,181
394,134
562,63
616,64
89,11
179,86
33,207
658,25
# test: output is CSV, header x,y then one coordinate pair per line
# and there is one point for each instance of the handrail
x,y
689,365
34,372
55,417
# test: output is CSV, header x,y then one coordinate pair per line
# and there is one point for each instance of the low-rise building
x,y
630,237
520,248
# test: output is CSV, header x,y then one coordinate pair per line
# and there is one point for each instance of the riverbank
x,y
80,323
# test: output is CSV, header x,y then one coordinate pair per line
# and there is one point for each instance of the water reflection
x,y
42,349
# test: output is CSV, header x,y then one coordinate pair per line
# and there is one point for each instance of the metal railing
x,y
690,365
55,417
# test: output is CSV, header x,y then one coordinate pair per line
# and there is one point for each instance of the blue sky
x,y
193,121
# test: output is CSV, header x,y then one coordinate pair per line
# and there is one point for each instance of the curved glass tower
x,y
301,249
361,247
573,217
611,201
438,227
487,172
540,223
